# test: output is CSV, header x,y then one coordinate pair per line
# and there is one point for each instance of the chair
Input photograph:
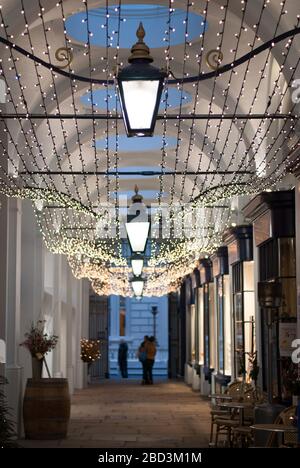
x,y
225,420
286,417
243,436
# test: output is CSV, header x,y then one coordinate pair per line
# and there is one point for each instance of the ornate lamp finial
x,y
140,50
137,198
140,33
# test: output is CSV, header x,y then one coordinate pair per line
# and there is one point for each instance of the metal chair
x,y
225,420
286,417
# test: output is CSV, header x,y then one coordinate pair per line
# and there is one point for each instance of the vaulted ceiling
x,y
67,151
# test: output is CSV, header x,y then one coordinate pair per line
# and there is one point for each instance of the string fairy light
x,y
55,163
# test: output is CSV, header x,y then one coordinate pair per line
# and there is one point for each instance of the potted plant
x,y
39,344
90,352
47,403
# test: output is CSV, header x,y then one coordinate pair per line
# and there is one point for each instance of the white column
x,y
56,313
69,334
32,279
84,330
13,310
78,375
3,238
3,269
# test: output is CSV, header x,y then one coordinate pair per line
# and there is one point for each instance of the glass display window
x,y
201,325
220,323
193,328
223,324
206,325
197,326
280,266
227,326
243,314
212,327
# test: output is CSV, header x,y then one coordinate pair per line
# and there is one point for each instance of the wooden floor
x,y
124,413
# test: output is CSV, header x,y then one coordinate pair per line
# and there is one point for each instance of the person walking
x,y
142,356
122,358
150,348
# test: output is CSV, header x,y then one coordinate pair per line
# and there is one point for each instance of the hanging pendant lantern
x,y
140,87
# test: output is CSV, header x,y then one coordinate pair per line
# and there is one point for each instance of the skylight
x,y
155,19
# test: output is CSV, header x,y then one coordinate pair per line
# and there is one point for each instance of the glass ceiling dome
x,y
155,19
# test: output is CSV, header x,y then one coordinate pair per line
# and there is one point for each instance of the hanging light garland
x,y
43,157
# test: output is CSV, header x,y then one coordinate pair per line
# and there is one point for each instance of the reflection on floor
x,y
124,413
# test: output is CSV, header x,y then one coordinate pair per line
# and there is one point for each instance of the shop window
x,y
212,328
192,317
244,313
206,324
201,325
223,325
279,266
220,323
197,326
227,326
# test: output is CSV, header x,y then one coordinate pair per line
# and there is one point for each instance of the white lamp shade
x,y
137,266
140,100
137,286
137,233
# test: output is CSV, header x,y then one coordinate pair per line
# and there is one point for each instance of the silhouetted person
x,y
150,353
122,358
142,356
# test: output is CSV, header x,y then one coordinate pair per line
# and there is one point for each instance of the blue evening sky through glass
x,y
136,144
145,193
155,20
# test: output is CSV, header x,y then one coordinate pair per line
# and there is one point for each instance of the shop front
x,y
222,373
273,216
239,241
206,325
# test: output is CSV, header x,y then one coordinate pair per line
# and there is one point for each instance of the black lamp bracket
x,y
187,79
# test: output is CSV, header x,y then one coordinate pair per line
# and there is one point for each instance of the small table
x,y
274,428
239,406
220,396
278,428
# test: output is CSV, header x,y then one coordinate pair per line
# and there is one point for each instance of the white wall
x,y
38,285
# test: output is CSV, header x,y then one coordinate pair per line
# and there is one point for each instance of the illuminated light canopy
x,y
140,88
138,227
67,193
137,265
137,286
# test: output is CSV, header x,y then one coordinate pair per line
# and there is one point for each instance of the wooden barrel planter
x,y
46,409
